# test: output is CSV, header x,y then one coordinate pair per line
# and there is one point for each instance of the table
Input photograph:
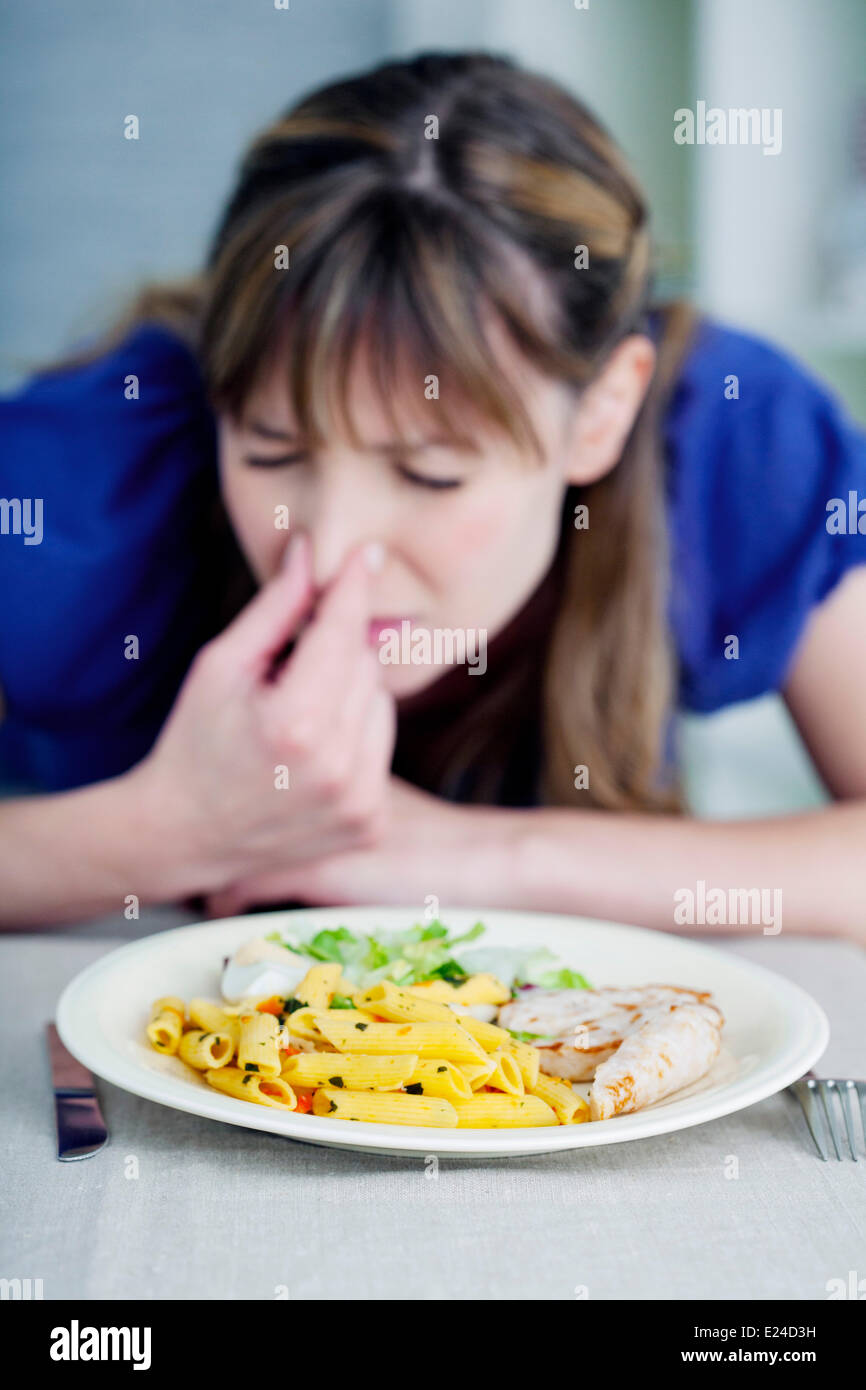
x,y
181,1207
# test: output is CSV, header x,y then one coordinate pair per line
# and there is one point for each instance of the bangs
x,y
402,281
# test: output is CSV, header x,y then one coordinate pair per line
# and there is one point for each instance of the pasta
x,y
478,1073
214,1019
245,1085
433,1076
388,1054
487,1110
446,1040
491,1037
319,985
505,1075
354,1073
482,989
385,1108
567,1105
257,1045
165,1028
397,1005
203,1050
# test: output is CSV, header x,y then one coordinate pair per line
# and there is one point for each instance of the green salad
x,y
428,951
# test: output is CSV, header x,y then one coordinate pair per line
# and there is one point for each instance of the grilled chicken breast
x,y
669,1051
633,1041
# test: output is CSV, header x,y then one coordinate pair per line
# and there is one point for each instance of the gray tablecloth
x,y
179,1207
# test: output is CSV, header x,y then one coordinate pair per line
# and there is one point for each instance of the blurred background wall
x,y
776,244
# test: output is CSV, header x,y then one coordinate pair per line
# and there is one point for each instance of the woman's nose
x,y
341,522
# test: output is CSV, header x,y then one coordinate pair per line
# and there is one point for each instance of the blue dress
x,y
124,485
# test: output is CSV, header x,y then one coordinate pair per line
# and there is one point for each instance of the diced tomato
x,y
290,1051
304,1105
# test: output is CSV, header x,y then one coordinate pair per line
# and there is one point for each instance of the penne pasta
x,y
528,1059
440,990
246,1085
482,989
214,1019
505,1075
351,1073
319,985
433,1076
202,1050
491,1037
487,1110
569,1107
446,1040
165,1028
304,1023
385,1107
476,1073
401,1006
258,1049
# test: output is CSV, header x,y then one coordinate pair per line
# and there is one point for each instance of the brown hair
x,y
417,238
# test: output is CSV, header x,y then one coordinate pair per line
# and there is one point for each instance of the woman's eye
x,y
419,480
274,460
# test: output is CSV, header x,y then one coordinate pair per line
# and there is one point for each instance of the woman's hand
x,y
462,854
255,770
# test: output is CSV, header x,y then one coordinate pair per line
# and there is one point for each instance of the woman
x,y
422,360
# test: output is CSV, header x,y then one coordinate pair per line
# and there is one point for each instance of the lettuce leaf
x,y
428,951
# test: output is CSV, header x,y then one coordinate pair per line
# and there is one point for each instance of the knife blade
x,y
81,1130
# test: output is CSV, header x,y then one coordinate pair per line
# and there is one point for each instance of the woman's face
x,y
466,536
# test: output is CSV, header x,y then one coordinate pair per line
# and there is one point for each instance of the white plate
x,y
774,1031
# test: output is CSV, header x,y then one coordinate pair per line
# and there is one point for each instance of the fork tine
x,y
860,1088
846,1100
804,1091
823,1088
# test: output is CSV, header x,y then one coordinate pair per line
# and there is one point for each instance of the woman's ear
x,y
607,409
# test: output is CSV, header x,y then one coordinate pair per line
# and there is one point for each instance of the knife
x,y
81,1130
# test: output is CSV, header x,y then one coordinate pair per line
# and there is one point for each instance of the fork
x,y
825,1089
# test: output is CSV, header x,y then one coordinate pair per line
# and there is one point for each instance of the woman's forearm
x,y
800,873
84,853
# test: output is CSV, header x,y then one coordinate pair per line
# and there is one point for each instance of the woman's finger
x,y
322,660
271,619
